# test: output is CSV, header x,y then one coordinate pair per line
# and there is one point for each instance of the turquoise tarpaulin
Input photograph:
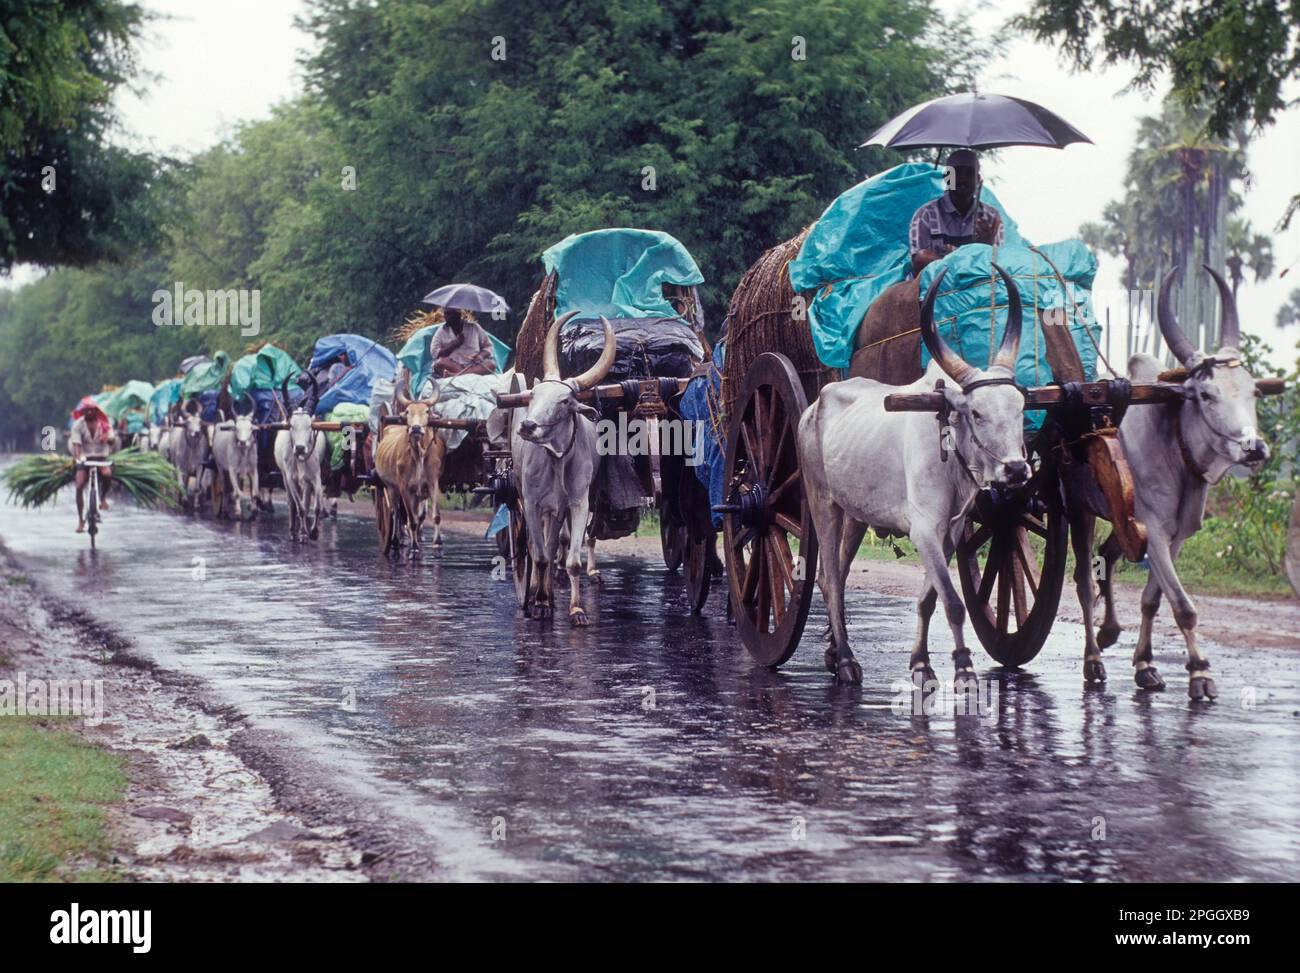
x,y
206,376
620,272
961,308
166,394
266,368
859,247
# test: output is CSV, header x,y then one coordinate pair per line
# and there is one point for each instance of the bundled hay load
x,y
764,316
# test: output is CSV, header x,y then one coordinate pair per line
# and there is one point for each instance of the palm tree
x,y
1247,250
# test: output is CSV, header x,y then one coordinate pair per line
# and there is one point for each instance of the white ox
x,y
299,454
1176,452
865,467
554,448
189,453
234,449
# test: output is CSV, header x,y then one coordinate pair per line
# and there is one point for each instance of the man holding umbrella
x,y
462,347
956,218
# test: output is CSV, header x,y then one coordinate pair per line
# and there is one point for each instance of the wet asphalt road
x,y
648,747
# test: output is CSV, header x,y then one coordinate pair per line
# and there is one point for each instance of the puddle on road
x,y
649,747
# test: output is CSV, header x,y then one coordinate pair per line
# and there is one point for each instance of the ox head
x,y
1218,418
302,437
193,422
987,408
416,413
554,407
244,429
154,436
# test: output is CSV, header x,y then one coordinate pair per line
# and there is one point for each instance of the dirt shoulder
x,y
193,809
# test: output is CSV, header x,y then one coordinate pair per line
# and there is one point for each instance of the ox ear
x,y
587,411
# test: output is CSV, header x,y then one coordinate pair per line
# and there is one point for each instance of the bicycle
x,y
93,466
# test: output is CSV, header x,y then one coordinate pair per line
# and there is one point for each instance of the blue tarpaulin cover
x,y
370,362
961,308
166,394
619,272
701,402
859,247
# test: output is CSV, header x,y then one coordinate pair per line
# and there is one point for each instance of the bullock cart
x,y
1012,550
645,285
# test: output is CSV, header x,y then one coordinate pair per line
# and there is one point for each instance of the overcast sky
x,y
221,62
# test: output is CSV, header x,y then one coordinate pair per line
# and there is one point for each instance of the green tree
x,y
482,131
1233,56
67,196
1289,313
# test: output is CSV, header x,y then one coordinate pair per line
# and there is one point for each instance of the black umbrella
x,y
975,121
466,297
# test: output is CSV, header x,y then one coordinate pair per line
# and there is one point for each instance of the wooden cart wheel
x,y
771,547
1012,600
697,573
521,562
672,540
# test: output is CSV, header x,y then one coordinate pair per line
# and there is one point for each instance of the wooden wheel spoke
x,y
762,416
788,525
751,452
1030,522
1018,596
1004,592
783,557
992,568
1025,553
775,586
752,572
775,496
977,539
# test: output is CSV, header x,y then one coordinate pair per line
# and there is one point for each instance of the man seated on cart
x,y
956,218
461,347
91,437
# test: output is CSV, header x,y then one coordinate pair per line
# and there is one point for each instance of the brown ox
x,y
408,460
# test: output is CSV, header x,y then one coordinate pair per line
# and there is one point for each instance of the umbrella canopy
x,y
976,121
466,297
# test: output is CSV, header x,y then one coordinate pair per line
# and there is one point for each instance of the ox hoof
x,y
848,672
1108,634
314,533
1201,688
922,675
542,611
594,577
578,618
1094,673
1149,680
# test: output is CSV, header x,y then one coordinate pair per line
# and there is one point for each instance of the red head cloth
x,y
89,410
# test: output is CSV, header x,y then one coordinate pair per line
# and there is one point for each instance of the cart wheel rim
x,y
697,574
771,551
672,541
1012,598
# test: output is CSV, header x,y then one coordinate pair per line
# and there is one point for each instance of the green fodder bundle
x,y
146,478
763,316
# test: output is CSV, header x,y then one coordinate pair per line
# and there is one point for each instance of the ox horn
x,y
957,368
551,350
1010,347
1173,334
1230,329
593,375
402,382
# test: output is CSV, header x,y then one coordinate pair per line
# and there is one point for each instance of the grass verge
x,y
53,791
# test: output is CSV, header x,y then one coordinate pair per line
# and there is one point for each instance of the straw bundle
x,y
532,333
762,318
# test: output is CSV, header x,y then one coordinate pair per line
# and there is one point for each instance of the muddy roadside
x,y
206,798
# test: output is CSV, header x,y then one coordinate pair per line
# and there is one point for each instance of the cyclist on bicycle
x,y
92,437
